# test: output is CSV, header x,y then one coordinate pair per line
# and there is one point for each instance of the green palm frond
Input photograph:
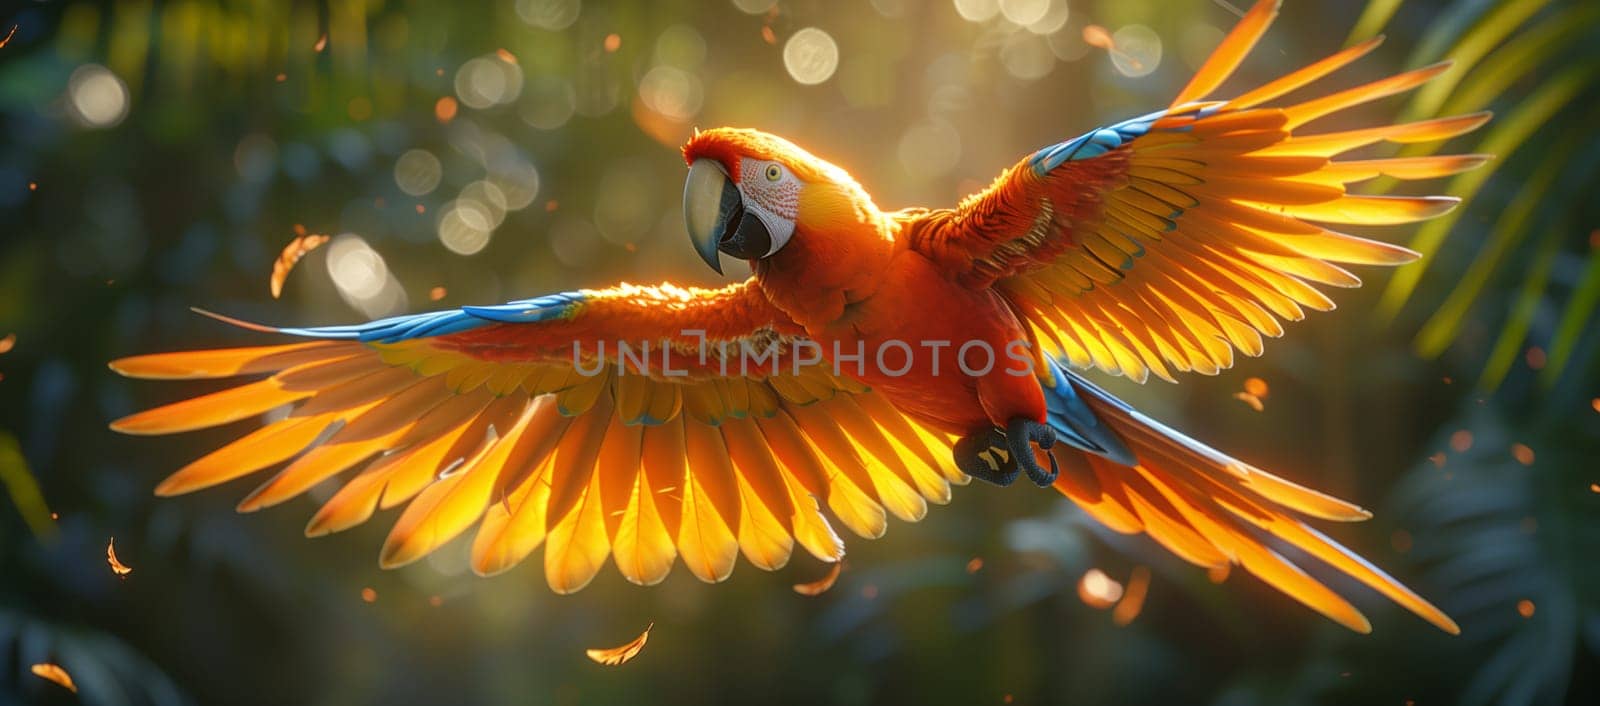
x,y
1510,548
1534,62
23,490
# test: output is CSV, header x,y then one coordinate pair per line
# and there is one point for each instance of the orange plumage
x,y
1154,246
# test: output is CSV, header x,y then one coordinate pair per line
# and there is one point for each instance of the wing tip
x,y
241,323
171,487
396,554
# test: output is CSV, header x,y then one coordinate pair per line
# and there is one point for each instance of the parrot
x,y
639,425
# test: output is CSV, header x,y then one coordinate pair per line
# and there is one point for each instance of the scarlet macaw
x,y
1154,245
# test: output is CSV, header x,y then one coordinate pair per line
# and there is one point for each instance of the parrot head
x,y
749,194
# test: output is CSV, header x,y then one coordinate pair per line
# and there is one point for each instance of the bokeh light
x,y
98,98
977,10
672,92
1024,12
681,46
465,226
1055,16
549,14
1137,50
548,104
811,56
515,178
417,172
362,277
488,81
1027,56
754,7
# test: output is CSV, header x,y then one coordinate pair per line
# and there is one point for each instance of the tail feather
x,y
1213,510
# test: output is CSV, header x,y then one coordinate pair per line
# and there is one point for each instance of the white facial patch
x,y
772,194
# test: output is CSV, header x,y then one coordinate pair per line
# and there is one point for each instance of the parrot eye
x,y
774,172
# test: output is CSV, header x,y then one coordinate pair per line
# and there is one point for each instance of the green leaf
x,y
1372,21
23,489
1509,231
1488,33
1574,322
1503,139
1522,311
1523,55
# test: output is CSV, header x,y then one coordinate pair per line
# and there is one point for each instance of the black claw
x,y
1021,434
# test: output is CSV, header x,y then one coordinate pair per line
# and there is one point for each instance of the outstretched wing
x,y
1174,238
530,421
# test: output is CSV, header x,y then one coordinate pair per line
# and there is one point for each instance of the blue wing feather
x,y
1101,140
442,323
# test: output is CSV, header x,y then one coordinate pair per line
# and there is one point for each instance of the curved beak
x,y
711,202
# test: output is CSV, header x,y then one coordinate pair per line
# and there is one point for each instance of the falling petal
x,y
369,595
1522,453
1437,458
1525,608
1099,590
1218,574
1249,399
322,42
613,43
117,567
621,654
975,565
1461,441
768,36
437,293
7,343
9,35
821,585
1132,597
55,673
292,253
1594,487
506,56
1097,36
445,109
1256,386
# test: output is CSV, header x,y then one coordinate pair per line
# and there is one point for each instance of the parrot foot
x,y
997,457
985,456
1021,434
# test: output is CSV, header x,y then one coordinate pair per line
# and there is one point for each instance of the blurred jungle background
x,y
158,154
